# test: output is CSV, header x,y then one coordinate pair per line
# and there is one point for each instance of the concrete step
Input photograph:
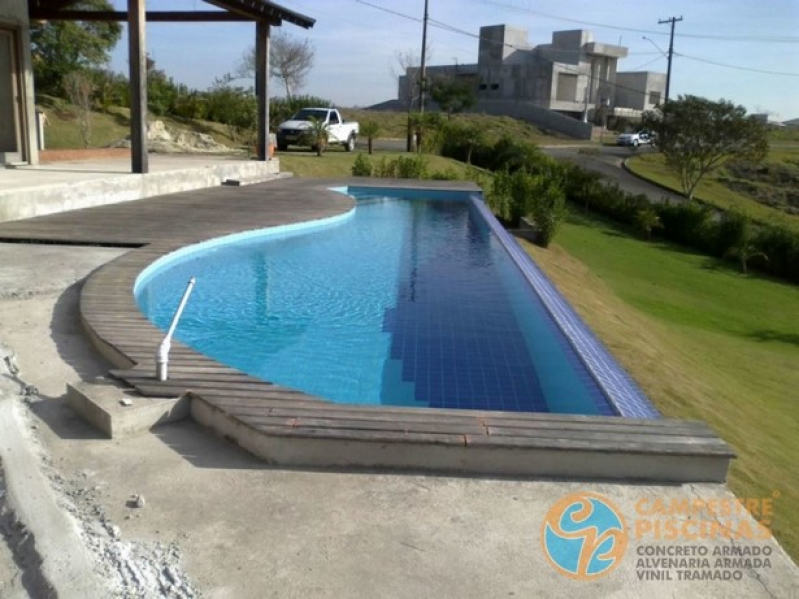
x,y
120,411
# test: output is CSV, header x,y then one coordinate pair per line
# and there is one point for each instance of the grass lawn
x,y
713,192
335,162
393,125
63,130
704,341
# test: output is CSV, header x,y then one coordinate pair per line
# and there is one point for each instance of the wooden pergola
x,y
263,13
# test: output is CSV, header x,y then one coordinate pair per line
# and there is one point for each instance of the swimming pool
x,y
410,299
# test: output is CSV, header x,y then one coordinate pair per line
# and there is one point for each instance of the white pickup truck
x,y
293,131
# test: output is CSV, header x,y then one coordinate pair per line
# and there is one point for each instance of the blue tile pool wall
x,y
625,395
457,354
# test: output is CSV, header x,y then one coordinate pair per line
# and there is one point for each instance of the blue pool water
x,y
408,302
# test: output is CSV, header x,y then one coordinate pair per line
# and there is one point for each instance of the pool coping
x,y
288,427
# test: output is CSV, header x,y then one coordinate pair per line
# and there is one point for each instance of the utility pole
x,y
423,79
673,21
423,73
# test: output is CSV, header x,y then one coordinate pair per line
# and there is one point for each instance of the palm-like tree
x,y
745,247
473,137
647,220
317,133
370,130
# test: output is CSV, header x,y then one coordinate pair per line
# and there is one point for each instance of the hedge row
x,y
770,249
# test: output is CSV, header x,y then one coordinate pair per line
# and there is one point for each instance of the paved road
x,y
607,162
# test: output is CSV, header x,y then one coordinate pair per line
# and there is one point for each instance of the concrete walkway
x,y
220,522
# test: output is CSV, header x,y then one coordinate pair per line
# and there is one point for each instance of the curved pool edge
x,y
288,428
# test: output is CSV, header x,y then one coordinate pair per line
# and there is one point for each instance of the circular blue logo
x,y
584,536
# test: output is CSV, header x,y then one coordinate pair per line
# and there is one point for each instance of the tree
x,y
80,88
233,106
468,135
110,89
697,136
317,133
407,72
452,95
290,60
646,219
744,245
162,93
370,129
60,47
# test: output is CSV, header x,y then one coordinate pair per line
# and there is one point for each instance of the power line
x,y
388,10
738,67
566,67
787,39
646,64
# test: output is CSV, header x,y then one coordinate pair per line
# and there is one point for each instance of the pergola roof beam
x,y
261,9
152,16
235,10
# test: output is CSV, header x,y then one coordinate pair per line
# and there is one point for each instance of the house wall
x,y
640,90
573,75
17,109
546,119
464,71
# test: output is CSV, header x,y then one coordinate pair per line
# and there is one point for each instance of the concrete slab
x,y
10,573
55,269
36,190
56,556
245,530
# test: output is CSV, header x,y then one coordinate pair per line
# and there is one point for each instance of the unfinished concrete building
x,y
562,85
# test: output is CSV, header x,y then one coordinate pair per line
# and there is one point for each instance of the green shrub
x,y
690,224
511,196
385,169
449,174
781,245
362,166
411,167
548,208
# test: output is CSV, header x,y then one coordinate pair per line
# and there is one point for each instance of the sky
x,y
740,50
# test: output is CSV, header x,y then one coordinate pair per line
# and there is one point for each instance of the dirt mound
x,y
166,140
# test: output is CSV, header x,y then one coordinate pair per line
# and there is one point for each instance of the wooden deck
x,y
287,427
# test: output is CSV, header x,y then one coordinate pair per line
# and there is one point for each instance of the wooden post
x,y
137,55
262,87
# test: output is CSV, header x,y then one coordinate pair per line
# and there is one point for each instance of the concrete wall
x,y
498,43
432,72
635,89
540,117
37,201
14,19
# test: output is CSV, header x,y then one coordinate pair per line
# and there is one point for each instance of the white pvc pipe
x,y
162,355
